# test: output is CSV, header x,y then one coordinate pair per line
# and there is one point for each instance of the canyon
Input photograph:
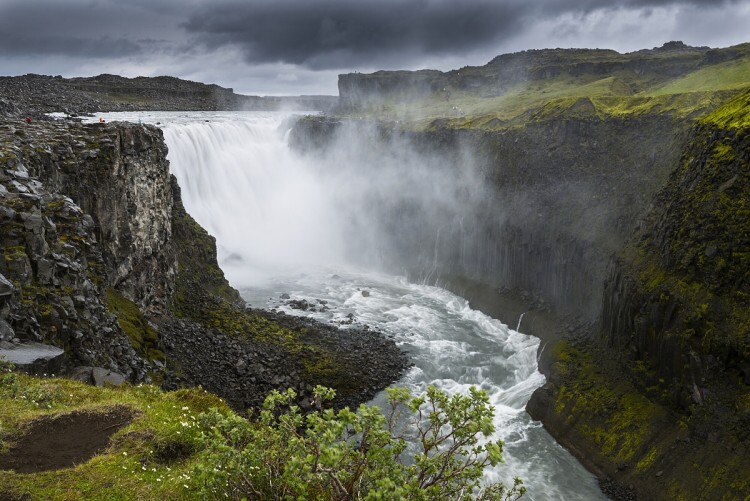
x,y
612,213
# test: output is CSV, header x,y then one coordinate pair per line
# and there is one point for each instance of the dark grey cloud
x,y
341,33
316,34
332,33
33,44
81,28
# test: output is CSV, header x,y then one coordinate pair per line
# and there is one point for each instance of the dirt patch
x,y
64,440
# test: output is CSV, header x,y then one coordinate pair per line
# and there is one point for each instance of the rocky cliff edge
x,y
101,260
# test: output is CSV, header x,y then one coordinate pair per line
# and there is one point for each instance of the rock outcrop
x,y
662,401
34,95
53,271
101,260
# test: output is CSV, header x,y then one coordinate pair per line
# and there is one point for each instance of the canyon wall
x,y
633,233
563,196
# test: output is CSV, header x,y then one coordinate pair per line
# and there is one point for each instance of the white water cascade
x,y
281,227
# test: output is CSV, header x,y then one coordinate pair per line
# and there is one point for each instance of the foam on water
x,y
263,204
453,347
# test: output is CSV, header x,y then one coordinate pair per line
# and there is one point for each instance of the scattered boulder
x,y
35,358
105,377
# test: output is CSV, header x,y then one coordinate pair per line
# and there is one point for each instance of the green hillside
x,y
684,82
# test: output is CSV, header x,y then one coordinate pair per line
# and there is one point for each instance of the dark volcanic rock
x,y
244,371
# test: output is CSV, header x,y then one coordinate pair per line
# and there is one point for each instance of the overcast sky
x,y
273,47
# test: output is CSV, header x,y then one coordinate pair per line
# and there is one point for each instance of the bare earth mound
x,y
65,440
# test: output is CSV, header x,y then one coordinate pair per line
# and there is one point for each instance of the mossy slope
x,y
515,89
662,403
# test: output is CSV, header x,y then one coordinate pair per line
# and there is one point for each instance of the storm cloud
x,y
331,33
336,33
277,46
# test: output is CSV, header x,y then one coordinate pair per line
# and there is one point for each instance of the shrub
x,y
428,447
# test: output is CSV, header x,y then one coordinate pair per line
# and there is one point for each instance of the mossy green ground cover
x,y
152,457
638,439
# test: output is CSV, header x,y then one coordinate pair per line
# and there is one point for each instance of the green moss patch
x,y
639,441
142,336
610,413
733,115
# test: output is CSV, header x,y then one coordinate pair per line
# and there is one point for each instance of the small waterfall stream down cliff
x,y
288,223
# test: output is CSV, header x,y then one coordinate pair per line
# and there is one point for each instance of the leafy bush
x,y
324,454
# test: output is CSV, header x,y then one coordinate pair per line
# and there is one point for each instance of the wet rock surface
x,y
244,371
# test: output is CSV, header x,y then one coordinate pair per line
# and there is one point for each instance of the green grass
x,y
139,462
724,76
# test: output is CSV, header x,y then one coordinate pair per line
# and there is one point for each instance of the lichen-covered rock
x,y
49,256
120,179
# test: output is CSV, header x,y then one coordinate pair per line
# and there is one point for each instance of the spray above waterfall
x,y
368,201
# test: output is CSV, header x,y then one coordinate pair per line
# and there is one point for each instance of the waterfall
x,y
520,319
276,214
366,202
267,208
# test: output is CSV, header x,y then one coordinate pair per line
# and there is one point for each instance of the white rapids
x,y
276,219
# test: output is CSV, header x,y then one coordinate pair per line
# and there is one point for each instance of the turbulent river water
x,y
285,224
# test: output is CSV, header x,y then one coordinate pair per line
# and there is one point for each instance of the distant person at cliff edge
x,y
101,120
28,120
